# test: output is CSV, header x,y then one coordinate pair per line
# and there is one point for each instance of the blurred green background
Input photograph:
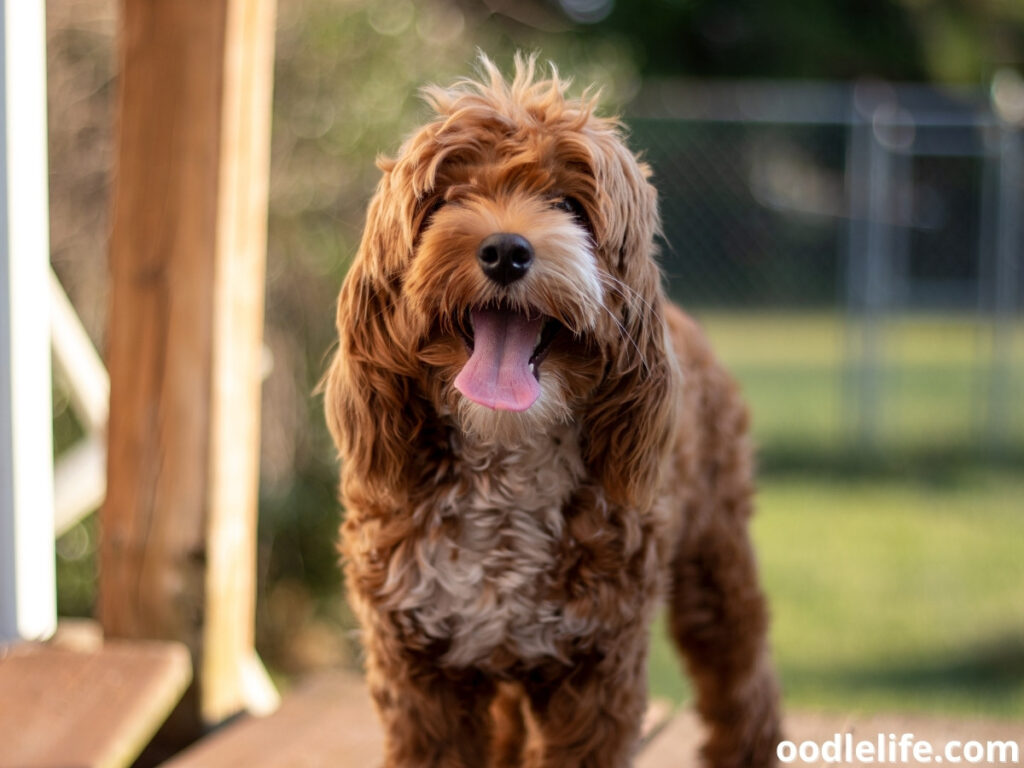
x,y
894,561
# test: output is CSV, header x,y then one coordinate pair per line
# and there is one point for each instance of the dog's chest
x,y
481,579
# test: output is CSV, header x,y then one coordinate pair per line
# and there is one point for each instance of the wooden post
x,y
187,251
27,597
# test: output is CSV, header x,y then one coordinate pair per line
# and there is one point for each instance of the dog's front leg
x,y
432,717
590,716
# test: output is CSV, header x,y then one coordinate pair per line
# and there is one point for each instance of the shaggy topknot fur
x,y
505,565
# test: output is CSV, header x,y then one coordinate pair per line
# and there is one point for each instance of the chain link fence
x,y
870,236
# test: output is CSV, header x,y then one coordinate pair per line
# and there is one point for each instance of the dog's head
x,y
505,283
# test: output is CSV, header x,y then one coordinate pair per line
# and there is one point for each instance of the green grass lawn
x,y
893,588
891,595
800,373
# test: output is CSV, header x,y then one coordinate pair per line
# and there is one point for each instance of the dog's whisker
x,y
624,332
624,290
627,293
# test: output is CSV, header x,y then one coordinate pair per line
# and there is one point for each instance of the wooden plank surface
x,y
187,282
330,722
675,745
327,723
678,744
936,730
63,708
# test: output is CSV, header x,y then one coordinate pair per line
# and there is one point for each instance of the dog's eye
x,y
567,204
574,208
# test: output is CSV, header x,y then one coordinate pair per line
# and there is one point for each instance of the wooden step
x,y
69,707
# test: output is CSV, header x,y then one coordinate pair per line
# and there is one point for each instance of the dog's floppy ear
x,y
371,401
629,422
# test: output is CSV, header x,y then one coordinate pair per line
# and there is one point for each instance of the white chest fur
x,y
483,566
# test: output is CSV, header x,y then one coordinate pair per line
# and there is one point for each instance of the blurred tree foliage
x,y
953,41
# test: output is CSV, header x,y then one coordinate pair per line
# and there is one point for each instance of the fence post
x,y
27,589
870,243
177,557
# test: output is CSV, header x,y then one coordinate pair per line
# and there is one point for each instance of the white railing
x,y
27,581
80,475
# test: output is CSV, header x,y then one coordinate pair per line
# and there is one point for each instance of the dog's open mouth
x,y
507,347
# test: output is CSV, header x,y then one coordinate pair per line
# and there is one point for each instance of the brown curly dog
x,y
537,448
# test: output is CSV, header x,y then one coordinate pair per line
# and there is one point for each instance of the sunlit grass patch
x,y
892,594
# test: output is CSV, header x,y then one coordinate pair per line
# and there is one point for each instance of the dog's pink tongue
x,y
498,372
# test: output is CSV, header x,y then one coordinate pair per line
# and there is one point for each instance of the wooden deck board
x,y
678,744
935,730
65,708
329,722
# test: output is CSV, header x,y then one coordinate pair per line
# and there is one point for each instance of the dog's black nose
x,y
505,257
